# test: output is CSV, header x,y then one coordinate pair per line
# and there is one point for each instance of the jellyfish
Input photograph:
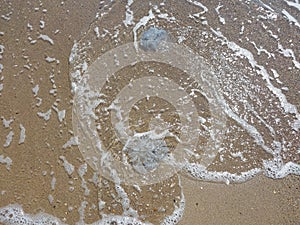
x,y
145,151
152,38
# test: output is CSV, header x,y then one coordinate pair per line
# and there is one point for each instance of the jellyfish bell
x,y
145,151
153,39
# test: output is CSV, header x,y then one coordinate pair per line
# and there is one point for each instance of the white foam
x,y
199,4
33,42
292,19
6,123
45,116
14,215
181,39
22,134
50,199
42,24
128,14
53,182
124,220
293,4
73,141
199,172
80,68
96,30
39,101
270,128
242,29
35,89
125,201
9,138
166,16
275,73
242,52
276,169
265,6
6,160
143,21
1,65
50,59
69,168
1,50
238,155
177,214
217,9
46,38
253,132
81,210
260,50
61,115
289,53
6,17
73,55
82,170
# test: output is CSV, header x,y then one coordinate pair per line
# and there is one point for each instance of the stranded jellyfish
x,y
145,151
152,38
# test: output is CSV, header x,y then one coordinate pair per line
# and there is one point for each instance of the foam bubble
x,y
199,172
6,160
14,215
276,169
9,138
45,116
69,168
73,141
22,134
6,123
46,38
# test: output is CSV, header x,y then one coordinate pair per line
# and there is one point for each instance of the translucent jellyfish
x,y
152,38
145,151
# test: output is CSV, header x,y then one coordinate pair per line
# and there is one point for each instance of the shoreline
x,y
44,176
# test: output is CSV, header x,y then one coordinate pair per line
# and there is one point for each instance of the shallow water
x,y
225,96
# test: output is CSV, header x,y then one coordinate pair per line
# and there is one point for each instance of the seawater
x,y
260,132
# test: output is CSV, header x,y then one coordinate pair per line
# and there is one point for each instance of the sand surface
x,y
37,172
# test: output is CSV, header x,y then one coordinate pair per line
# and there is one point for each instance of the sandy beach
x,y
42,167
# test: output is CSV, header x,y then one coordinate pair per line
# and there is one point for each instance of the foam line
x,y
199,4
199,172
141,23
242,52
293,4
290,18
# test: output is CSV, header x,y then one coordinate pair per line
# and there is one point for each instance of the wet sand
x,y
258,201
36,162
